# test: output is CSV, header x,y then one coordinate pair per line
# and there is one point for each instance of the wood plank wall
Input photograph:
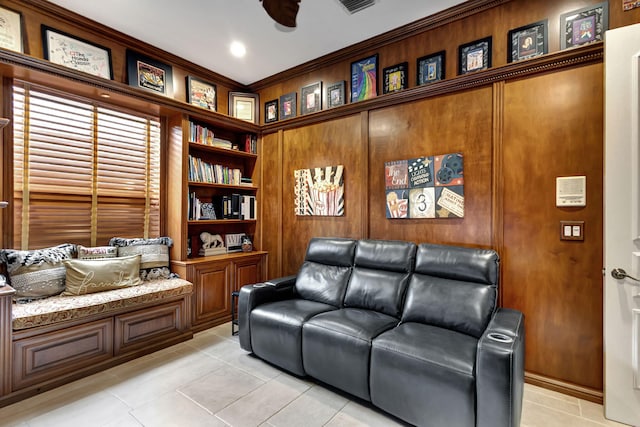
x,y
517,136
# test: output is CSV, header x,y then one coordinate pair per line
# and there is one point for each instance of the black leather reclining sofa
x,y
415,330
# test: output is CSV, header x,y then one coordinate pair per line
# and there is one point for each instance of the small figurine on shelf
x,y
212,244
247,246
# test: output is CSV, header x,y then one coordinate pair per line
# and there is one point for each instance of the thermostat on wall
x,y
571,191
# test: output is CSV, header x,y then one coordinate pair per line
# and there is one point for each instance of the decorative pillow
x,y
87,276
38,273
155,255
97,252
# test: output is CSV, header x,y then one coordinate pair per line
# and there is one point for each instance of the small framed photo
x,y
364,78
335,94
11,30
584,25
395,78
72,52
149,74
474,56
528,41
244,106
288,107
431,68
202,94
311,98
271,111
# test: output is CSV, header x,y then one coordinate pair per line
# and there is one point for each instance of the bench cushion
x,y
64,308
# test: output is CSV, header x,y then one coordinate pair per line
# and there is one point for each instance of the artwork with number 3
x,y
425,187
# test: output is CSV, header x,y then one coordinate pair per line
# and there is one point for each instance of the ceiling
x,y
201,31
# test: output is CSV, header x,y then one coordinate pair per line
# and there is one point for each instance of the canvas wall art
x,y
319,191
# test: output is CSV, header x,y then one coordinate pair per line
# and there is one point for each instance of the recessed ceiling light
x,y
238,50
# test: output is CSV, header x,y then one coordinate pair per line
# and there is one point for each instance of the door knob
x,y
618,273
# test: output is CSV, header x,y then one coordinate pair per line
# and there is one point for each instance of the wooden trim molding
x,y
447,16
5,339
584,393
564,59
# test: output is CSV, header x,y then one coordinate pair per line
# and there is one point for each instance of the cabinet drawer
x,y
52,355
146,327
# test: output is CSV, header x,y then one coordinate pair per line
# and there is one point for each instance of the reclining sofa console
x,y
413,329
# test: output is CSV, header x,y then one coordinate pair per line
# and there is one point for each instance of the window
x,y
83,172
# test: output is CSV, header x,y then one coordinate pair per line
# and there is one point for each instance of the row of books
x,y
203,135
201,171
232,206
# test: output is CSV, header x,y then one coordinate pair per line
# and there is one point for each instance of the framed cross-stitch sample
x,y
528,41
364,78
474,56
431,68
395,78
584,25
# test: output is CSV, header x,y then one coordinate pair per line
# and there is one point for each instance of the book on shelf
x,y
248,208
200,134
250,144
202,171
246,181
198,210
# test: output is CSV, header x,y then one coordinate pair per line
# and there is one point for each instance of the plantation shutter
x,y
83,172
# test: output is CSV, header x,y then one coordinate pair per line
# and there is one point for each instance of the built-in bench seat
x,y
49,342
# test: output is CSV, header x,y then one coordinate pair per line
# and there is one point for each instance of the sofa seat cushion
x,y
276,331
425,375
336,347
64,308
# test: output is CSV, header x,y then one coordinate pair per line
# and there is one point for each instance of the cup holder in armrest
x,y
496,336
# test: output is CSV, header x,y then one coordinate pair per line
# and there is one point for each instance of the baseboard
x,y
570,389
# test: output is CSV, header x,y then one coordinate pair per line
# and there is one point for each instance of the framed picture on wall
x,y
474,56
528,41
288,107
311,98
395,78
431,68
271,111
244,106
72,52
335,94
584,25
11,30
149,74
364,78
202,94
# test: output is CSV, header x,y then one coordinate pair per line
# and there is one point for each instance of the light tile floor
x,y
210,381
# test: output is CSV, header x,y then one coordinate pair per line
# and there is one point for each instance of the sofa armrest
x,y
500,371
252,296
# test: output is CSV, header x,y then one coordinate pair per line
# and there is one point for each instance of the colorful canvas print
x,y
319,191
425,187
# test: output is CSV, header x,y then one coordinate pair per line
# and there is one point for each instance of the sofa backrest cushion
x,y
380,275
326,269
453,287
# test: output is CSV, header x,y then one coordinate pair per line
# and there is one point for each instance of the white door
x,y
622,225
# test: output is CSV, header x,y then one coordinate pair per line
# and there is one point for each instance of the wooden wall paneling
x,y
337,142
497,190
553,127
176,185
270,208
460,122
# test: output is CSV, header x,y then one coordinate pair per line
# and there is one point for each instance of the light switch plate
x,y
571,230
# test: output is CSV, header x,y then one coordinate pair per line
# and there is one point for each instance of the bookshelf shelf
x,y
223,186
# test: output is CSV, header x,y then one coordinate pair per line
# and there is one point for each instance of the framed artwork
x,y
271,111
528,41
395,78
244,106
364,78
319,191
202,94
431,68
11,30
311,98
149,74
72,52
335,94
288,107
584,25
627,5
474,56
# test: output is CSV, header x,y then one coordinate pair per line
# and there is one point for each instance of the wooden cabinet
x,y
214,278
